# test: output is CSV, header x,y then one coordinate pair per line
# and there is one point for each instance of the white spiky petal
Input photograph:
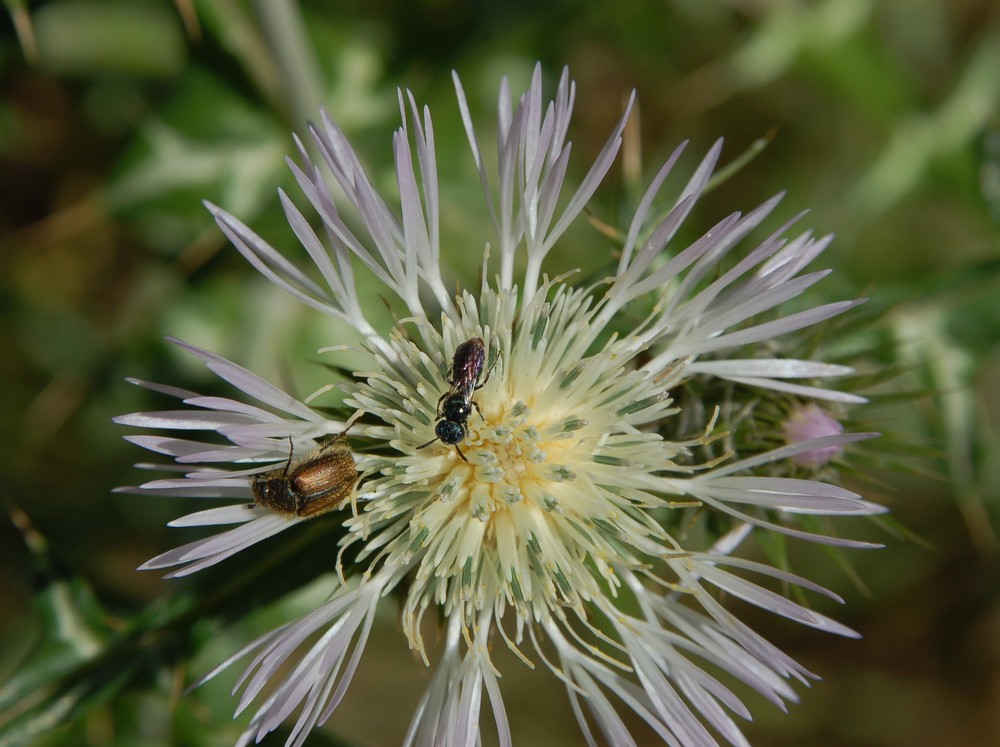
x,y
555,506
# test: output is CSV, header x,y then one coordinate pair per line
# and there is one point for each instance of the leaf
x,y
71,621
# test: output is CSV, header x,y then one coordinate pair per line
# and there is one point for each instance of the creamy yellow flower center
x,y
511,459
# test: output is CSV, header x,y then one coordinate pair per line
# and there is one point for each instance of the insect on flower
x,y
456,404
319,483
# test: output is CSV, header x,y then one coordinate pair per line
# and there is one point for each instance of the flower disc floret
x,y
544,508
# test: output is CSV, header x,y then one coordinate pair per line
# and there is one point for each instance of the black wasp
x,y
455,405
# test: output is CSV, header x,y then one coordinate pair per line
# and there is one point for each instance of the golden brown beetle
x,y
319,483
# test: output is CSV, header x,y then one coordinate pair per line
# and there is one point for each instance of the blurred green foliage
x,y
118,118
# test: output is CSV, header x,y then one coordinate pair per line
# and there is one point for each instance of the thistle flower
x,y
807,423
552,526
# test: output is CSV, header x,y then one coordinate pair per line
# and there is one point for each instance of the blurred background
x,y
118,118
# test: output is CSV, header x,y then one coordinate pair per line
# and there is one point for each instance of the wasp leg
x,y
440,400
